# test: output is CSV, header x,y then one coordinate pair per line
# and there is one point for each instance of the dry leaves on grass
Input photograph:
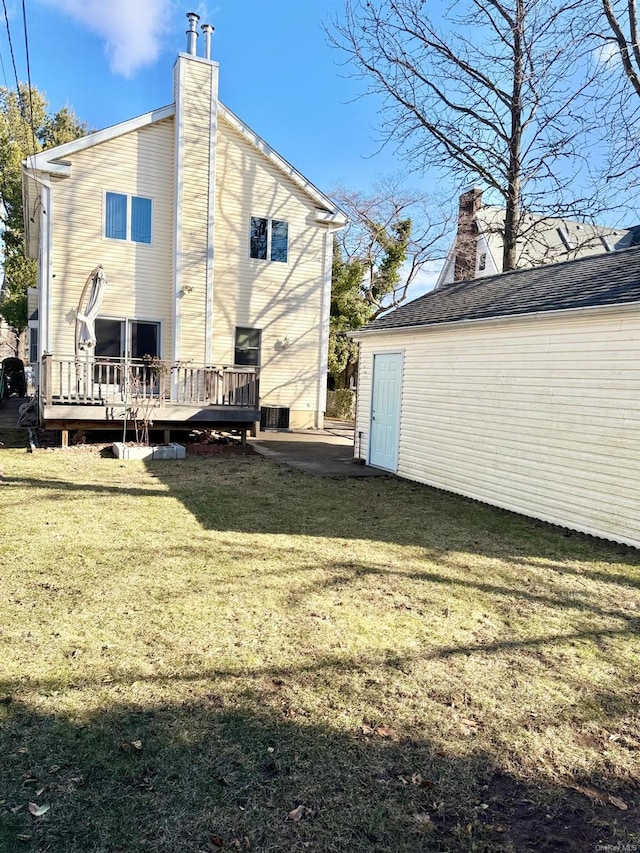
x,y
600,796
381,731
299,812
416,779
422,817
216,843
125,746
38,811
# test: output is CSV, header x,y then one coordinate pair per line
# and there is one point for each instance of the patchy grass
x,y
192,651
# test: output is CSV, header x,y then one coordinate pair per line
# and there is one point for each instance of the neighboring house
x,y
8,339
521,390
479,244
216,256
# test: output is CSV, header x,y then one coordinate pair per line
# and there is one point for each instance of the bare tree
x,y
393,233
627,44
494,91
613,28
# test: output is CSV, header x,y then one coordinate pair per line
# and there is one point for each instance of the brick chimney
x,y
466,237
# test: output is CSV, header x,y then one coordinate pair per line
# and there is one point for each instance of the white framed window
x,y
247,346
269,239
127,217
33,341
568,241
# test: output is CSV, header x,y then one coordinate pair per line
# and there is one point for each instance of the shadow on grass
x,y
221,770
253,495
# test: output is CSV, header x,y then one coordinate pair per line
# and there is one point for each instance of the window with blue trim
x,y
128,218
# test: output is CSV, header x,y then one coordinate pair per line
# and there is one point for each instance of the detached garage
x,y
521,390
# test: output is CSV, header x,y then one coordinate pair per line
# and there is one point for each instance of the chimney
x,y
469,204
192,32
208,31
195,95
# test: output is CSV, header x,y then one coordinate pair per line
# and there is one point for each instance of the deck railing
x,y
112,381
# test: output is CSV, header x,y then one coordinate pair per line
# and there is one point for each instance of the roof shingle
x,y
607,279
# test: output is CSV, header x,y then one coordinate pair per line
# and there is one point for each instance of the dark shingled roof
x,y
608,279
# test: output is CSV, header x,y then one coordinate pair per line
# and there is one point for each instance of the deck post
x,y
167,436
65,439
45,377
243,438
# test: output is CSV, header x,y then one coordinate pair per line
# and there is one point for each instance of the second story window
x,y
269,239
127,217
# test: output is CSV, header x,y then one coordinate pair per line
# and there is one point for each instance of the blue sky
x,y
112,59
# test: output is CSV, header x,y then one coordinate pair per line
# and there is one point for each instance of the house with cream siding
x,y
521,390
181,256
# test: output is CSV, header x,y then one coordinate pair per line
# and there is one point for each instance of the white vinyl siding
x,y
537,416
194,200
284,300
139,276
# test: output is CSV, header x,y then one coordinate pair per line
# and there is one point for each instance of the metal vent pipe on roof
x,y
208,31
192,32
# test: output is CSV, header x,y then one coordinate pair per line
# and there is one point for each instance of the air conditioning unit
x,y
274,417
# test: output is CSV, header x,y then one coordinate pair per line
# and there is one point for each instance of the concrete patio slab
x,y
324,452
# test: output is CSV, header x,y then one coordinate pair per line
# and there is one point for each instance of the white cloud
x,y
608,53
132,30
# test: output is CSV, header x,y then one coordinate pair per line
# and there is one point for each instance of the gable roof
x,y
51,161
611,279
549,239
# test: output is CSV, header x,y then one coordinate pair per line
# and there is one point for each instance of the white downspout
x,y
45,263
325,313
46,218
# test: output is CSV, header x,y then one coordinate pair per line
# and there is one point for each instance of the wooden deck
x,y
166,416
100,394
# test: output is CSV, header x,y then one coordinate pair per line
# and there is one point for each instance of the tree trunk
x,y
514,186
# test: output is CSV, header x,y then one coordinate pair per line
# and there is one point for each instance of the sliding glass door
x,y
127,339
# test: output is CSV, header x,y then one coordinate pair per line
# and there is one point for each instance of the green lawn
x,y
224,654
